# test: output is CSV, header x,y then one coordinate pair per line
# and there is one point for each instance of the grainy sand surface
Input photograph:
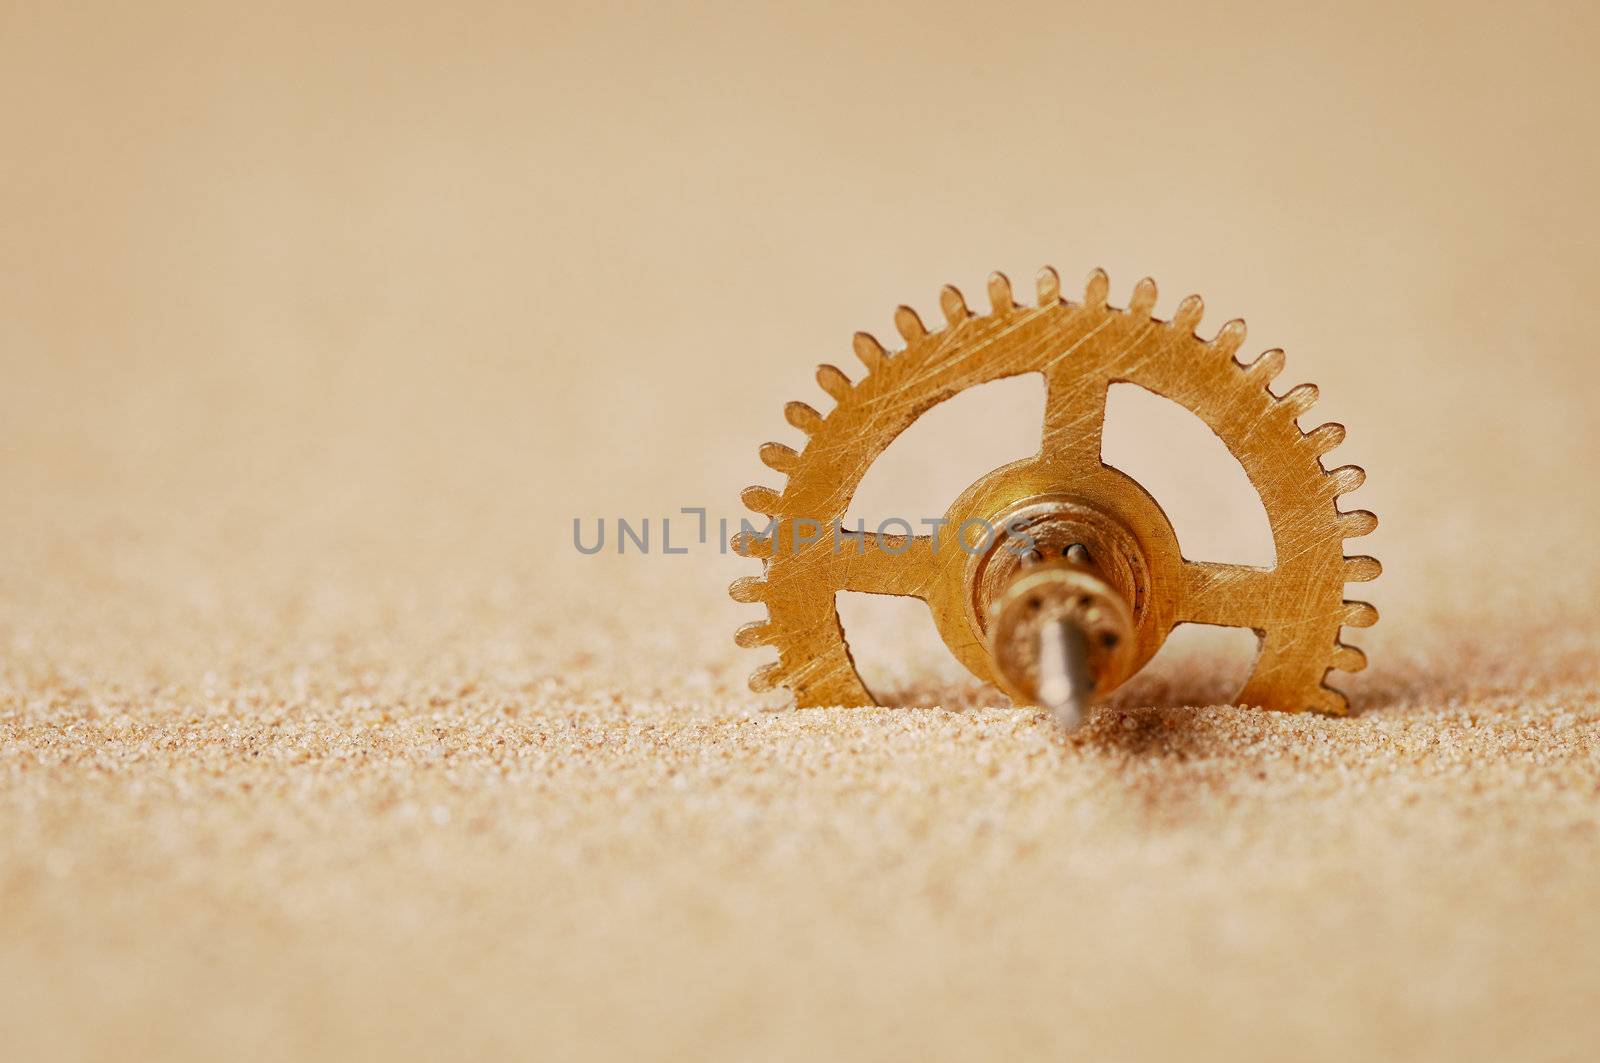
x,y
430,820
436,825
319,741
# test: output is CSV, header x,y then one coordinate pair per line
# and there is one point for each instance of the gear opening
x,y
947,449
1198,664
1215,511
899,655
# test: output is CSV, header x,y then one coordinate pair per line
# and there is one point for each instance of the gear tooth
x,y
1361,569
766,677
1357,522
1190,311
1325,437
1359,614
1299,399
1144,298
747,590
869,350
1348,658
763,500
1230,337
1265,368
953,304
908,324
1328,701
1096,288
751,544
832,380
803,417
1000,298
779,458
1047,283
1347,478
756,633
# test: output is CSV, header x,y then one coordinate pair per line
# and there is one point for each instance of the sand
x,y
415,816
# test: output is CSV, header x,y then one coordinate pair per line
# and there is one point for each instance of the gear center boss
x,y
1058,577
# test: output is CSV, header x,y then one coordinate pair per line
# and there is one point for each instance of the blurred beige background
x,y
320,323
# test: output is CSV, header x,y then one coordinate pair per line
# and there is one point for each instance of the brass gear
x,y
1297,608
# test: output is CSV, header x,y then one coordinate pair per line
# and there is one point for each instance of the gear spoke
x,y
1226,595
1074,415
886,564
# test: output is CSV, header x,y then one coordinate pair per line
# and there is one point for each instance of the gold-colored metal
x,y
1297,607
1052,592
